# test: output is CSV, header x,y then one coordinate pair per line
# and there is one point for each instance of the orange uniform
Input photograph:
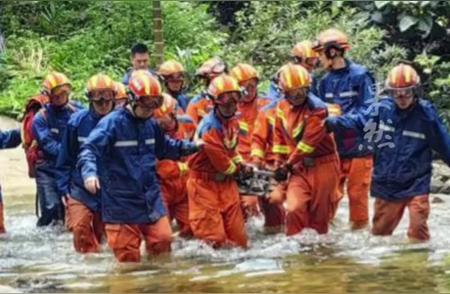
x,y
214,207
249,113
300,139
262,139
199,107
173,176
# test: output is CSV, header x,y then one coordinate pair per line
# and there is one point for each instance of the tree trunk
x,y
158,32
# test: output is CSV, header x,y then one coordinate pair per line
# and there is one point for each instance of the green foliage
x,y
84,38
267,31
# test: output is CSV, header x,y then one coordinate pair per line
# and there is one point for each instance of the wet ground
x,y
42,260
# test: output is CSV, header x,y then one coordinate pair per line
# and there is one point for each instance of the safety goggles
x,y
150,101
101,96
401,92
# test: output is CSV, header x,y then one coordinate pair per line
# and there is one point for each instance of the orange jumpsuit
x,y
215,214
248,124
198,108
173,176
300,139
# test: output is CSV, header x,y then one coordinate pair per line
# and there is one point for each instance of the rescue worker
x,y
248,108
215,214
301,54
119,160
8,139
173,74
48,128
83,208
140,60
121,95
349,86
201,105
306,154
173,174
406,128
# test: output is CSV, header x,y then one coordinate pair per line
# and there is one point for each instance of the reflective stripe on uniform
x,y
348,94
183,167
82,139
243,126
126,143
281,149
257,153
237,159
297,130
149,141
414,135
386,128
56,131
231,169
305,148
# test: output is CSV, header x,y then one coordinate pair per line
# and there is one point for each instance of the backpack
x,y
29,143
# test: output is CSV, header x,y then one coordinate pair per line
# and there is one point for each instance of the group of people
x,y
144,156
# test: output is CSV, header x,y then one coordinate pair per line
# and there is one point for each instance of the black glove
x,y
281,174
188,148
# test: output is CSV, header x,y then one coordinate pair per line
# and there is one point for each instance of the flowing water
x,y
42,260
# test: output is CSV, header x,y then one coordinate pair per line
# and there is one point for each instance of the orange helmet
x,y
170,67
144,85
100,81
332,38
55,79
243,72
293,76
211,68
304,50
121,91
221,85
402,76
169,107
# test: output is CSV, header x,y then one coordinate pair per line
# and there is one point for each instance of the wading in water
x,y
243,152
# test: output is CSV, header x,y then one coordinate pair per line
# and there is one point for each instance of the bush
x,y
50,36
267,31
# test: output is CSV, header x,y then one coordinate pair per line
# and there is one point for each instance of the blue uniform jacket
x,y
127,149
69,180
48,128
10,139
402,142
353,89
183,100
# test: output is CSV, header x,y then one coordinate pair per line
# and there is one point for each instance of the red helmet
x,y
332,38
293,76
221,85
100,82
243,72
212,68
54,80
145,89
402,76
170,67
304,50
